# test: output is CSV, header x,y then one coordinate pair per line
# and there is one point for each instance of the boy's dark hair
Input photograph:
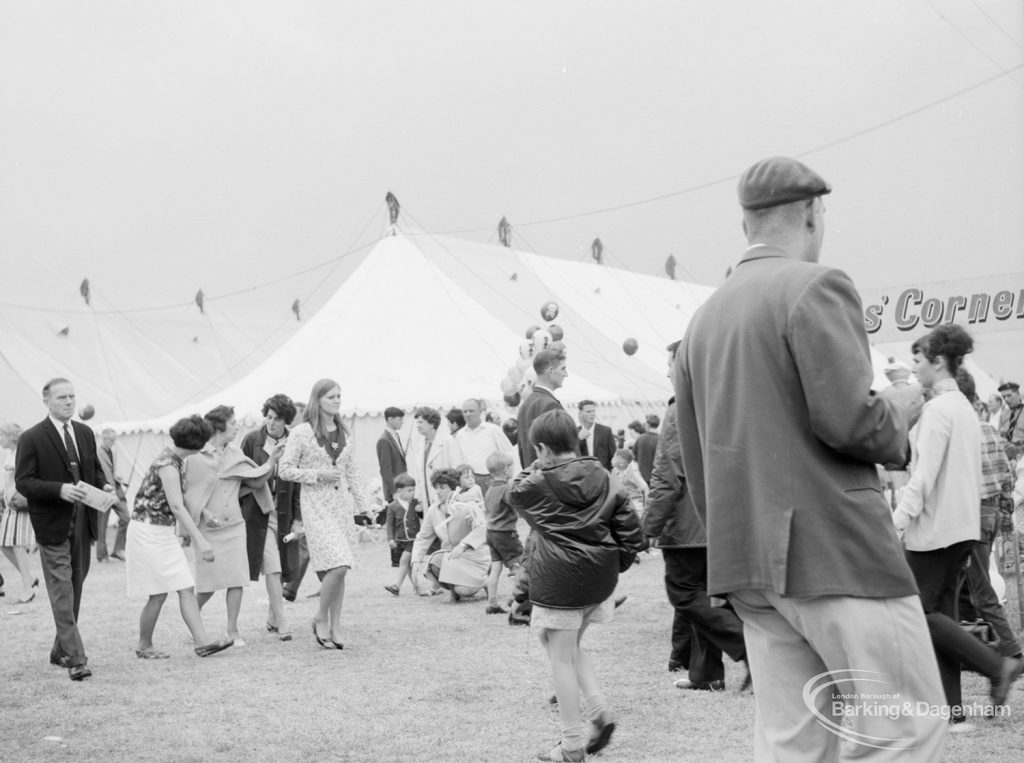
x,y
584,403
448,477
282,405
498,462
191,433
219,417
404,480
637,426
625,454
653,421
557,430
391,412
455,417
463,468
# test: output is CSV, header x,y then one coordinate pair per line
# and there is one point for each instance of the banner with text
x,y
982,305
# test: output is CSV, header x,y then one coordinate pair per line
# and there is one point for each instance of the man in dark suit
x,y
700,631
53,458
549,366
258,445
780,434
391,460
596,439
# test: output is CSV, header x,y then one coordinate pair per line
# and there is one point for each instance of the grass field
x,y
419,679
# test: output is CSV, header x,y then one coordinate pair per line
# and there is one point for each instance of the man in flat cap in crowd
x,y
910,398
1012,426
780,435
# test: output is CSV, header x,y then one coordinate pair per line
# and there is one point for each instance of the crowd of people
x,y
763,487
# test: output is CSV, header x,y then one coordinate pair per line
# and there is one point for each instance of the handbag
x,y
981,630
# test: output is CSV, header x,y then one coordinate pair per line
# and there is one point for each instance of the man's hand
x,y
392,544
652,541
70,492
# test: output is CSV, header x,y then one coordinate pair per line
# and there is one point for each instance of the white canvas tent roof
x,y
398,331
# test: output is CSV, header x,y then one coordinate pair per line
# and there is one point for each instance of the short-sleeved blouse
x,y
151,501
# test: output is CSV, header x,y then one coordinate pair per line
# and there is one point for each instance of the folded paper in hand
x,y
95,498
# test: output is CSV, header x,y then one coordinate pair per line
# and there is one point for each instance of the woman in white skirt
x,y
16,536
155,560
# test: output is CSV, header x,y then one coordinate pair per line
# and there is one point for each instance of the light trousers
x,y
882,698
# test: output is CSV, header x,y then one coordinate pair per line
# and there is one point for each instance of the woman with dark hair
x,y
214,479
939,513
265,530
461,560
431,448
319,455
155,561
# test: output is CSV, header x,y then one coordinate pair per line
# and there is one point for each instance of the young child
x,y
403,522
625,470
469,491
584,533
502,538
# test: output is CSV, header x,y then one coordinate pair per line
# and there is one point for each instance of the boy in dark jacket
x,y
584,533
403,523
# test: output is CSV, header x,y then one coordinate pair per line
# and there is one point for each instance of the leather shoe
x,y
79,672
686,683
601,736
1012,668
60,660
495,610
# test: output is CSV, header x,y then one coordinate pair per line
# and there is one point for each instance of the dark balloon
x,y
556,332
87,412
630,346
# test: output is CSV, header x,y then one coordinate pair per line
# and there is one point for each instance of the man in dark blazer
x,y
596,439
391,460
53,458
780,434
258,445
549,366
700,631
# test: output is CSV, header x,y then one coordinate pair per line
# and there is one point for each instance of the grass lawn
x,y
419,679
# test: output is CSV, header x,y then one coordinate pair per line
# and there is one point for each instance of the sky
x,y
244,146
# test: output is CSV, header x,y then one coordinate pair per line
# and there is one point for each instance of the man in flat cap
x,y
1012,427
780,435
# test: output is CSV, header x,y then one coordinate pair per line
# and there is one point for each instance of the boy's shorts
x,y
505,546
572,619
404,546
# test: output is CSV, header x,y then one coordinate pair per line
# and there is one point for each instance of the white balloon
x,y
525,349
541,339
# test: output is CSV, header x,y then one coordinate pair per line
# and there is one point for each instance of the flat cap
x,y
1006,386
777,181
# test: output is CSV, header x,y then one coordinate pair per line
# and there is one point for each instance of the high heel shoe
x,y
324,642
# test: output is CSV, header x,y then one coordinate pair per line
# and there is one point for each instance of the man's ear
x,y
809,213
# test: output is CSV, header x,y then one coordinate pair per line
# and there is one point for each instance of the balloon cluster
x,y
518,382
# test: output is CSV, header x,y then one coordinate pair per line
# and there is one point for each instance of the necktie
x,y
584,451
69,443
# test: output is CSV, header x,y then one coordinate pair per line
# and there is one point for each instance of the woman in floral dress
x,y
319,456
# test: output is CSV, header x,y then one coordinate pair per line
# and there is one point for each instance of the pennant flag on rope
x,y
393,207
84,291
670,267
200,297
295,309
597,251
505,233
